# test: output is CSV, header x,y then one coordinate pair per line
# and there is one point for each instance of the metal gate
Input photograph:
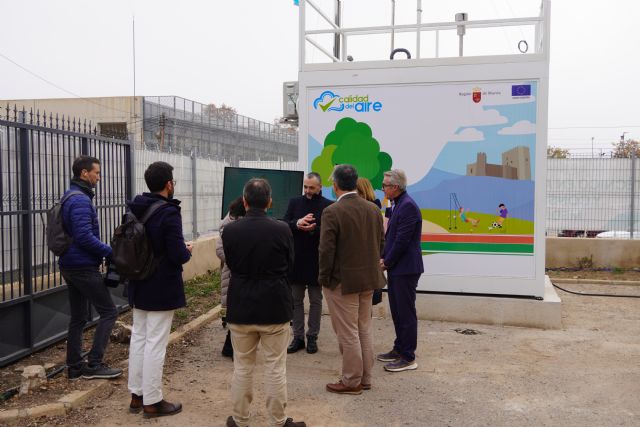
x,y
36,154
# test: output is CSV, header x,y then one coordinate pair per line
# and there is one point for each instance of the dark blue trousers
x,y
88,285
402,301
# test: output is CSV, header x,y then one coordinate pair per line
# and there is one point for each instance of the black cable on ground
x,y
588,294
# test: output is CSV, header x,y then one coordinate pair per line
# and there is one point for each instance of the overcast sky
x,y
239,52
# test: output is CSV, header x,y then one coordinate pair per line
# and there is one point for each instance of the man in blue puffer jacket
x,y
79,267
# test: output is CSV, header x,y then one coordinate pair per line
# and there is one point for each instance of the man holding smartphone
x,y
303,217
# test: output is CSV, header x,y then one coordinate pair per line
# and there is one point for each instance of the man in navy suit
x,y
402,259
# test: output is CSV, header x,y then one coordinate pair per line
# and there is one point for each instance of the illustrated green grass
x,y
509,226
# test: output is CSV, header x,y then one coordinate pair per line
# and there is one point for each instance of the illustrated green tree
x,y
352,142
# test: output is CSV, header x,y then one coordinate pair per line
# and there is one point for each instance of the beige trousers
x,y
351,321
273,340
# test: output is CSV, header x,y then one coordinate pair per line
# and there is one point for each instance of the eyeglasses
x,y
387,185
173,182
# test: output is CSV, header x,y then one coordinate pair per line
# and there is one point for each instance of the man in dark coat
x,y
303,216
259,253
402,258
155,298
79,268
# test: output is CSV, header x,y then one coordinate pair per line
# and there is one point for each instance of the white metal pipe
x,y
431,26
344,47
437,43
302,60
546,4
536,43
321,49
461,18
393,24
338,22
418,32
321,13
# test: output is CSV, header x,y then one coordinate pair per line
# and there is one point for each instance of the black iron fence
x,y
36,154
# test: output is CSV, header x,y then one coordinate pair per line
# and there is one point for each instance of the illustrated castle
x,y
515,165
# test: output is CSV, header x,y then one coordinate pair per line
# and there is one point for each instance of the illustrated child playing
x,y
464,218
502,215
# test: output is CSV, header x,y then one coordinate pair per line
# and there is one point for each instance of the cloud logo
x,y
523,127
467,135
326,102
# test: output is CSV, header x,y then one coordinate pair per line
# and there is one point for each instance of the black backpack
x,y
58,241
132,252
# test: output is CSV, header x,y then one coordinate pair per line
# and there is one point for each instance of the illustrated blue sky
x,y
455,156
315,149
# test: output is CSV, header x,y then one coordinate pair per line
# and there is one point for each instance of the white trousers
x,y
149,339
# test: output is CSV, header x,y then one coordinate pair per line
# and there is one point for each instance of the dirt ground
x,y
203,293
615,275
586,374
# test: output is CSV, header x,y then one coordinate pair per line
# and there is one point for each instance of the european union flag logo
x,y
521,90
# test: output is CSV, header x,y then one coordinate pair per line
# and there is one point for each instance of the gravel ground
x,y
586,374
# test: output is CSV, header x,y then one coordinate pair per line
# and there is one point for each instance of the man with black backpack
x,y
79,263
156,289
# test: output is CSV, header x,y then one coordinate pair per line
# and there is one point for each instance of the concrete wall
x,y
566,251
99,110
203,258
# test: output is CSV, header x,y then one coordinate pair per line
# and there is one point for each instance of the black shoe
x,y
101,371
161,409
74,372
296,344
312,344
291,423
231,422
136,404
391,356
227,348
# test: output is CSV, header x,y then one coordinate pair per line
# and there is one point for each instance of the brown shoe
x,y
343,389
161,409
366,386
136,404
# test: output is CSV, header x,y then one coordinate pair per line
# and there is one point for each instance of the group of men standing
x,y
153,299
339,248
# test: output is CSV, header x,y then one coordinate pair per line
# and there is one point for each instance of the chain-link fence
x,y
588,196
199,183
179,125
199,140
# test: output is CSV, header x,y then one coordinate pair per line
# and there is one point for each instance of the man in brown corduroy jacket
x,y
351,241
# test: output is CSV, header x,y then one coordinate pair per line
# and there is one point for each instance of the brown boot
x,y
343,389
161,409
136,404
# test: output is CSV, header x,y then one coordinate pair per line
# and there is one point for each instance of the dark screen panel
x,y
284,186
